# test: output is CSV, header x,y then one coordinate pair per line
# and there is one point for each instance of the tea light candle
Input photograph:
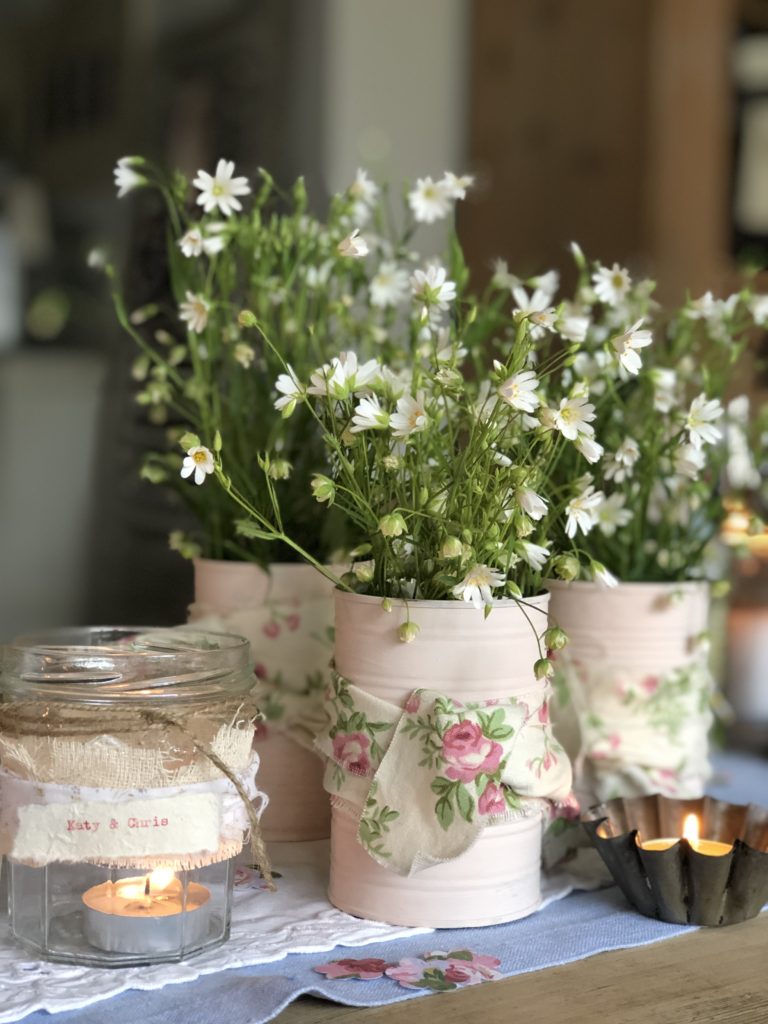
x,y
711,847
146,915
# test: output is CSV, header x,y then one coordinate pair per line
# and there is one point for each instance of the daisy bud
x,y
364,570
386,604
555,638
390,462
323,489
451,548
280,469
567,567
217,442
392,525
246,318
408,632
544,669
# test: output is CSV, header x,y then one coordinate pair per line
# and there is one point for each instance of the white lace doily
x,y
265,927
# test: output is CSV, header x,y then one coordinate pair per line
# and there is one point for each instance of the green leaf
x,y
464,802
461,954
441,785
247,528
444,812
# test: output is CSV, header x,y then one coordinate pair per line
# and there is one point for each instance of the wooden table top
x,y
710,976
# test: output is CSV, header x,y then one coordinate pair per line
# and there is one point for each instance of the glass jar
x,y
125,760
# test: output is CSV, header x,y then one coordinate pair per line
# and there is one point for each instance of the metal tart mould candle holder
x,y
127,789
652,848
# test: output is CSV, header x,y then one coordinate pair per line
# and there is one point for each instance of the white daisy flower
x,y
477,585
519,391
290,390
611,286
363,189
689,461
611,515
531,503
758,307
389,285
244,354
219,191
502,278
410,417
548,283
573,327
581,511
369,415
429,200
318,277
664,386
700,421
194,312
534,554
602,576
620,465
589,448
126,178
536,308
353,246
198,460
626,346
456,185
572,415
343,376
704,308
194,242
432,287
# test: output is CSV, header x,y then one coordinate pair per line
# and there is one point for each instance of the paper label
x,y
185,824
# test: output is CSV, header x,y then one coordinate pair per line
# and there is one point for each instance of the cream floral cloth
x,y
424,781
630,732
291,644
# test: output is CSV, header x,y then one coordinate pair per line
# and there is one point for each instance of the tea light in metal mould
x,y
710,847
146,914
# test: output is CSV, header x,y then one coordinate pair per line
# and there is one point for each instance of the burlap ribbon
x,y
149,731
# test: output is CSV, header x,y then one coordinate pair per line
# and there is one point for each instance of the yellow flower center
x,y
199,458
217,189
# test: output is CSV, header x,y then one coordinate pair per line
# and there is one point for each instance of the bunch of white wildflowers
x,y
235,244
673,442
442,453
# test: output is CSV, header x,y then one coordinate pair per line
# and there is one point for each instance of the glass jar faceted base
x,y
119,917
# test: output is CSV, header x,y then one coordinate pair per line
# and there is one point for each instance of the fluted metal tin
x,y
680,884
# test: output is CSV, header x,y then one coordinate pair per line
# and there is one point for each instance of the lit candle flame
x,y
691,828
160,879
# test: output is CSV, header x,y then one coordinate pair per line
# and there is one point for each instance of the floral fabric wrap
x,y
424,781
635,732
291,643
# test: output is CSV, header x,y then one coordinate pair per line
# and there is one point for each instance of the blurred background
x,y
640,129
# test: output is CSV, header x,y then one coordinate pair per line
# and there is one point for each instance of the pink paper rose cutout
x,y
467,752
367,969
441,972
492,800
293,622
271,629
350,749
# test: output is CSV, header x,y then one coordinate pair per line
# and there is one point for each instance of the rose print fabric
x,y
633,733
423,781
291,644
